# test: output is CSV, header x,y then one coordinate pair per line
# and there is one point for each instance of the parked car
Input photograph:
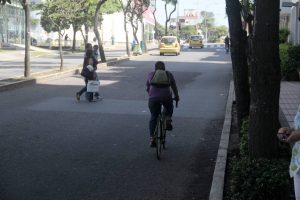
x,y
196,41
169,44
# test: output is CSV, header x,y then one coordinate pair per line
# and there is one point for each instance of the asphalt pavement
x,y
54,147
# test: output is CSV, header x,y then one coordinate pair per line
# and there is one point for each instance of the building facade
x,y
12,23
289,19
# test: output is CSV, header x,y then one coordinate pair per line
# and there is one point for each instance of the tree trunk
x,y
60,50
126,34
265,81
86,38
166,22
155,21
238,39
168,18
134,30
74,39
96,31
27,39
144,38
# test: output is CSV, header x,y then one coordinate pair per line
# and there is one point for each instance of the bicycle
x,y
160,132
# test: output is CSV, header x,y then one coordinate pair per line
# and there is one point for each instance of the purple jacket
x,y
164,92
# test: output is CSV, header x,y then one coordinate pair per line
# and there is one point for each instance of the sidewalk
x,y
289,102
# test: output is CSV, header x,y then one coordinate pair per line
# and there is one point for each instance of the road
x,y
55,148
14,67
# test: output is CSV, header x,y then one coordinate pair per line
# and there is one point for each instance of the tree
x,y
265,81
103,6
155,20
126,9
26,7
138,7
168,16
78,20
188,30
238,39
4,1
57,16
207,22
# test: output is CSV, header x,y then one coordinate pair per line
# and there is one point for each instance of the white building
x,y
289,19
111,31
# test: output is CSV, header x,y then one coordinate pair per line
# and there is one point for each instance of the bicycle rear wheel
x,y
163,134
158,138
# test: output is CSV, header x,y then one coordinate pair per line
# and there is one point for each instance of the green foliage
x,y
290,61
244,149
4,1
34,22
260,179
58,14
186,31
208,19
256,179
110,7
283,35
284,59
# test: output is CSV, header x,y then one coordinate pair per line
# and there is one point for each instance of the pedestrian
x,y
66,39
292,136
88,72
226,41
159,84
96,51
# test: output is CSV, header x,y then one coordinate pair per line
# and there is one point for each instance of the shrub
x,y
290,61
257,179
283,35
244,149
260,179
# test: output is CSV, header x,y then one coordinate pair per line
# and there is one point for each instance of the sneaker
x,y
169,126
152,143
78,96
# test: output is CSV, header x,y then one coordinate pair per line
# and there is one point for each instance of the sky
x,y
215,6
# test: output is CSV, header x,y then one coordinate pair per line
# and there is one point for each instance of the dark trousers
x,y
85,88
155,108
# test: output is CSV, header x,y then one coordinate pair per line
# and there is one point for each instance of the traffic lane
x,y
188,147
107,157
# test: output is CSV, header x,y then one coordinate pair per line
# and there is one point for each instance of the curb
x,y
217,186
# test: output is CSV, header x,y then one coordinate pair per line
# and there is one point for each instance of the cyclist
x,y
226,41
159,85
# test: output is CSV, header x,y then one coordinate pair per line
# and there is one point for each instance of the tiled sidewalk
x,y
289,101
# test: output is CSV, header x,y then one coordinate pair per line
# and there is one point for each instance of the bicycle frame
x,y
160,131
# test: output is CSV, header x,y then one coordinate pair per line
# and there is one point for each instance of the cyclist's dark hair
x,y
160,65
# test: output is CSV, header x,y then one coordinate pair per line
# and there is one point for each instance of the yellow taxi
x,y
196,41
169,44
